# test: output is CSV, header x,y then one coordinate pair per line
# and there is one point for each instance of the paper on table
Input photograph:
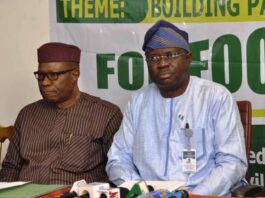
x,y
169,185
4,185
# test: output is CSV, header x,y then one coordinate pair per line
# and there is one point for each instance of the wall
x,y
24,27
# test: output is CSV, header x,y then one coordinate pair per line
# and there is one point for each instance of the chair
x,y
249,190
5,133
245,111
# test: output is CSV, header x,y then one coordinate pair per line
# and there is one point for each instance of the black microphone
x,y
69,195
150,188
123,192
178,194
86,195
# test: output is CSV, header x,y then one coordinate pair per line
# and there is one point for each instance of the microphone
x,y
160,193
138,189
81,189
123,192
69,195
178,194
150,188
163,193
110,193
92,190
74,191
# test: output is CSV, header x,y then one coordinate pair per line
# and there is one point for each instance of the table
x,y
34,190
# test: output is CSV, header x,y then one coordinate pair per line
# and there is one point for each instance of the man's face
x,y
63,88
169,67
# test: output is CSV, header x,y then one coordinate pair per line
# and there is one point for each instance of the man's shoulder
x,y
208,85
32,108
144,96
37,104
148,89
210,93
144,92
98,101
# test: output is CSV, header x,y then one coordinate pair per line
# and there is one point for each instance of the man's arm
x,y
12,163
110,130
120,166
230,155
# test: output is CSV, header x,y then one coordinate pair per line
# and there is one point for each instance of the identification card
x,y
189,160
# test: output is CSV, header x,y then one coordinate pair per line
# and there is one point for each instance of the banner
x,y
227,40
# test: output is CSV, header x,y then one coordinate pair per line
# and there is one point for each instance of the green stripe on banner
x,y
149,11
258,113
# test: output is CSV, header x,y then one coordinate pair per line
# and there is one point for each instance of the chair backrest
x,y
245,111
5,133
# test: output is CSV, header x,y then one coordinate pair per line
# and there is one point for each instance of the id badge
x,y
189,161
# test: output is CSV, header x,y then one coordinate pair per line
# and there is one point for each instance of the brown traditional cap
x,y
58,52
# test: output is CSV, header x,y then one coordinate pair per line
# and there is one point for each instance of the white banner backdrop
x,y
98,40
227,39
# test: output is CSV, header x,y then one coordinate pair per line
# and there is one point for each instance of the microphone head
x,y
69,195
109,193
92,189
150,188
112,185
123,192
185,193
178,193
137,189
160,193
76,185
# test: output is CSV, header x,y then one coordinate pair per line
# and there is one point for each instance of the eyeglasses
x,y
168,57
40,76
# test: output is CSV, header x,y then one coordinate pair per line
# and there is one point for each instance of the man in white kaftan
x,y
179,117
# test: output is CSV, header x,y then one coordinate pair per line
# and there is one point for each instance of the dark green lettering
x,y
262,10
156,9
185,12
197,64
234,62
235,11
167,8
137,75
208,12
103,70
177,11
219,6
251,5
254,61
194,11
